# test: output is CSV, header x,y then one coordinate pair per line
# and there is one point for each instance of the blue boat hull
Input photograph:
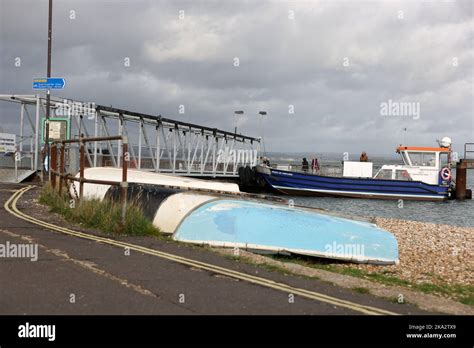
x,y
277,229
293,183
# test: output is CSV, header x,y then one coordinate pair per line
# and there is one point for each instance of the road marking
x,y
194,263
90,266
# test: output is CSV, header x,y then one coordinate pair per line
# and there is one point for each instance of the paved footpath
x,y
78,276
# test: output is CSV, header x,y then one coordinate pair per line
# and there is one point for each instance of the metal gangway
x,y
156,143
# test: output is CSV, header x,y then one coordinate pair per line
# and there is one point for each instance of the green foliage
x,y
101,215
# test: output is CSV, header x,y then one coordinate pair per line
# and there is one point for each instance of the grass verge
x,y
461,293
101,215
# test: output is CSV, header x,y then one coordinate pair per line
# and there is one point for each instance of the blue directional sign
x,y
49,83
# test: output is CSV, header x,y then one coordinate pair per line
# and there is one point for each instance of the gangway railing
x,y
156,143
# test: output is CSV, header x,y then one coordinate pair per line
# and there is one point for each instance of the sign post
x,y
48,83
59,129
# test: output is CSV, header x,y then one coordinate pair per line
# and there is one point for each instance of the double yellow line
x,y
10,206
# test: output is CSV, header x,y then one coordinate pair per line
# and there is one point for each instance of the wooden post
x,y
461,181
124,184
53,165
61,167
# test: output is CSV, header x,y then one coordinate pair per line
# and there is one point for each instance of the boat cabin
x,y
419,164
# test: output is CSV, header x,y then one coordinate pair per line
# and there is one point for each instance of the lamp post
x,y
48,94
238,112
262,113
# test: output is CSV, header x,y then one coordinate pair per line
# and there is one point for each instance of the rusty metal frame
x,y
64,177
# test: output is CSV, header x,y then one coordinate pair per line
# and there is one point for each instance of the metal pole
x,y
150,149
16,166
96,130
81,170
119,143
214,163
48,96
37,152
189,136
174,147
22,121
203,137
97,114
140,131
158,149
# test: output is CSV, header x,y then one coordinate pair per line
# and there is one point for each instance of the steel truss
x,y
156,143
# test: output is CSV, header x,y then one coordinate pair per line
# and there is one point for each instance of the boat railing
x,y
324,169
327,170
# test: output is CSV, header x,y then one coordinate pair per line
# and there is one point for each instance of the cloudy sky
x,y
321,69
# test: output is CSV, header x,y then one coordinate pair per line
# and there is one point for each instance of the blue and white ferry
x,y
424,175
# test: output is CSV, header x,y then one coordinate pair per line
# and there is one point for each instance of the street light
x,y
46,152
238,112
262,113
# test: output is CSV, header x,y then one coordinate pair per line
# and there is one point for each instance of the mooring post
x,y
124,184
61,168
53,165
461,180
82,164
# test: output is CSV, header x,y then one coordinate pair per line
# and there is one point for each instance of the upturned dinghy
x,y
278,229
262,226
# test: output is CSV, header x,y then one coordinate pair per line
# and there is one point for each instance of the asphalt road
x,y
78,276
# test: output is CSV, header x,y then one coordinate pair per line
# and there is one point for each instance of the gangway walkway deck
x,y
157,143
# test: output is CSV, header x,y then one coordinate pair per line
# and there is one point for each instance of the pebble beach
x,y
429,252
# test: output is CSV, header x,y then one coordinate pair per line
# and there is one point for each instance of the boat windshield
x,y
422,159
443,160
404,158
402,174
384,174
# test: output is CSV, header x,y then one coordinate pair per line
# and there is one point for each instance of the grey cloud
x,y
282,62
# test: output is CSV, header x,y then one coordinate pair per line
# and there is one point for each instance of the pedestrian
x,y
363,157
305,165
314,165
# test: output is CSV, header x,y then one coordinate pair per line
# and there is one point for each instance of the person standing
x,y
363,157
315,165
305,165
